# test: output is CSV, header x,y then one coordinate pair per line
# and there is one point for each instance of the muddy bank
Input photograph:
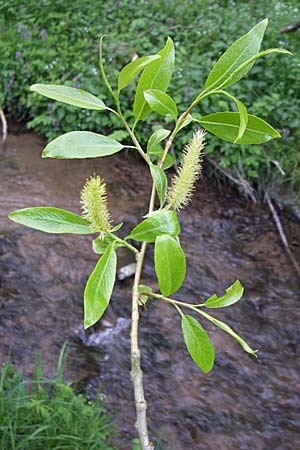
x,y
245,403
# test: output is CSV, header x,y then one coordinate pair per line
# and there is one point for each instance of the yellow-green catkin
x,y
182,186
94,204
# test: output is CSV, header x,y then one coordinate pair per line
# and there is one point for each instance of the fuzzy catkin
x,y
180,192
94,204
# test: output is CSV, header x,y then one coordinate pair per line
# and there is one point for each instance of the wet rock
x,y
127,271
106,337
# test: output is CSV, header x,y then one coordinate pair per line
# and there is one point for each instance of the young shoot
x,y
159,227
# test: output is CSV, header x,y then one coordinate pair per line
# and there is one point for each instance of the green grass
x,y
42,414
56,41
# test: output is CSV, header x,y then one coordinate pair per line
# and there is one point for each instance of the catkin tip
x,y
182,185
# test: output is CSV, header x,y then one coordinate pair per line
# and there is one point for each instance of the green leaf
x,y
117,227
99,287
238,73
81,144
198,343
131,70
51,220
156,138
239,52
226,125
170,264
158,223
160,181
101,67
142,289
243,114
156,75
69,95
157,154
233,294
100,244
161,103
230,331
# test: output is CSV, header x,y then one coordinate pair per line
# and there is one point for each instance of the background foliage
x,y
41,414
57,42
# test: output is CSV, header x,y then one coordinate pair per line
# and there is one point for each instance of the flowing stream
x,y
245,403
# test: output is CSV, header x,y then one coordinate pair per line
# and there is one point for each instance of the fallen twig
x,y
250,192
4,126
240,182
282,233
289,28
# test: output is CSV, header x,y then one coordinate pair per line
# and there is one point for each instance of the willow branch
x,y
131,133
136,371
174,302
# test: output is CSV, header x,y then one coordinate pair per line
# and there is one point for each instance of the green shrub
x,y
36,36
47,415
